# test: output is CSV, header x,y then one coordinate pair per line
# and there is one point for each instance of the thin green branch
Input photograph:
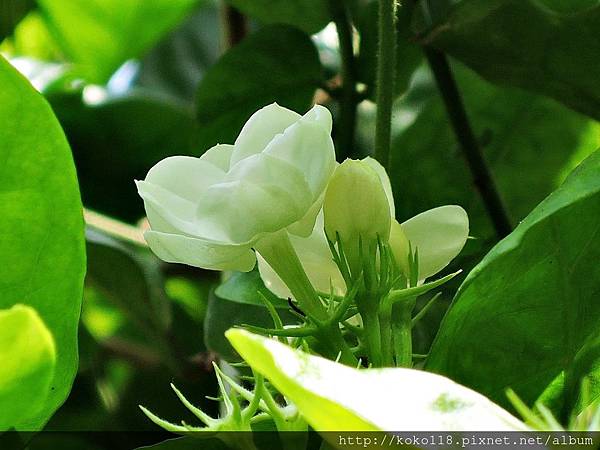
x,y
348,99
482,176
386,68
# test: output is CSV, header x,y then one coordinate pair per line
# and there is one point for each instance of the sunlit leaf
x,y
42,251
550,47
326,393
524,312
28,358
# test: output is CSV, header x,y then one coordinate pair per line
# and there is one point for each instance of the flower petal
x,y
305,226
315,256
219,156
439,235
320,115
260,129
307,146
176,248
185,176
169,213
261,194
385,181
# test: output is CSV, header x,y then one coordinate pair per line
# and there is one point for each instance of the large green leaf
x,y
118,139
276,64
524,312
326,393
177,63
11,12
308,15
550,47
130,280
530,142
42,253
28,358
99,35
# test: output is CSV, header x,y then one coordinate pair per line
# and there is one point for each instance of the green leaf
x,y
308,15
118,139
41,231
11,12
246,287
326,393
100,35
531,143
524,312
586,363
28,358
549,47
130,279
237,302
176,65
278,63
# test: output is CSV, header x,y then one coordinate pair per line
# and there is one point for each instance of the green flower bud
x,y
356,207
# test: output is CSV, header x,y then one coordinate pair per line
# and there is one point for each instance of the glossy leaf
x,y
308,15
326,394
279,63
223,314
524,312
130,280
178,62
41,231
11,12
117,140
531,143
100,35
247,287
28,358
550,47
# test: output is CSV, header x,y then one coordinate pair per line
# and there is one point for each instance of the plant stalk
x,y
349,98
482,176
279,253
402,331
386,74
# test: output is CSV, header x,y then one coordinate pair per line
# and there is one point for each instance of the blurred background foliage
x,y
134,81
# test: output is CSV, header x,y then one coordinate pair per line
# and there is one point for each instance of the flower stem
x,y
402,330
386,74
348,101
279,253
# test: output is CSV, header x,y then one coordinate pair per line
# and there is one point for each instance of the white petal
x,y
185,176
320,115
385,181
260,129
315,257
307,146
219,155
260,195
195,252
439,235
305,226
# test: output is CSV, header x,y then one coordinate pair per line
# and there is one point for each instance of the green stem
x,y
385,324
402,330
373,338
279,253
348,101
386,65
